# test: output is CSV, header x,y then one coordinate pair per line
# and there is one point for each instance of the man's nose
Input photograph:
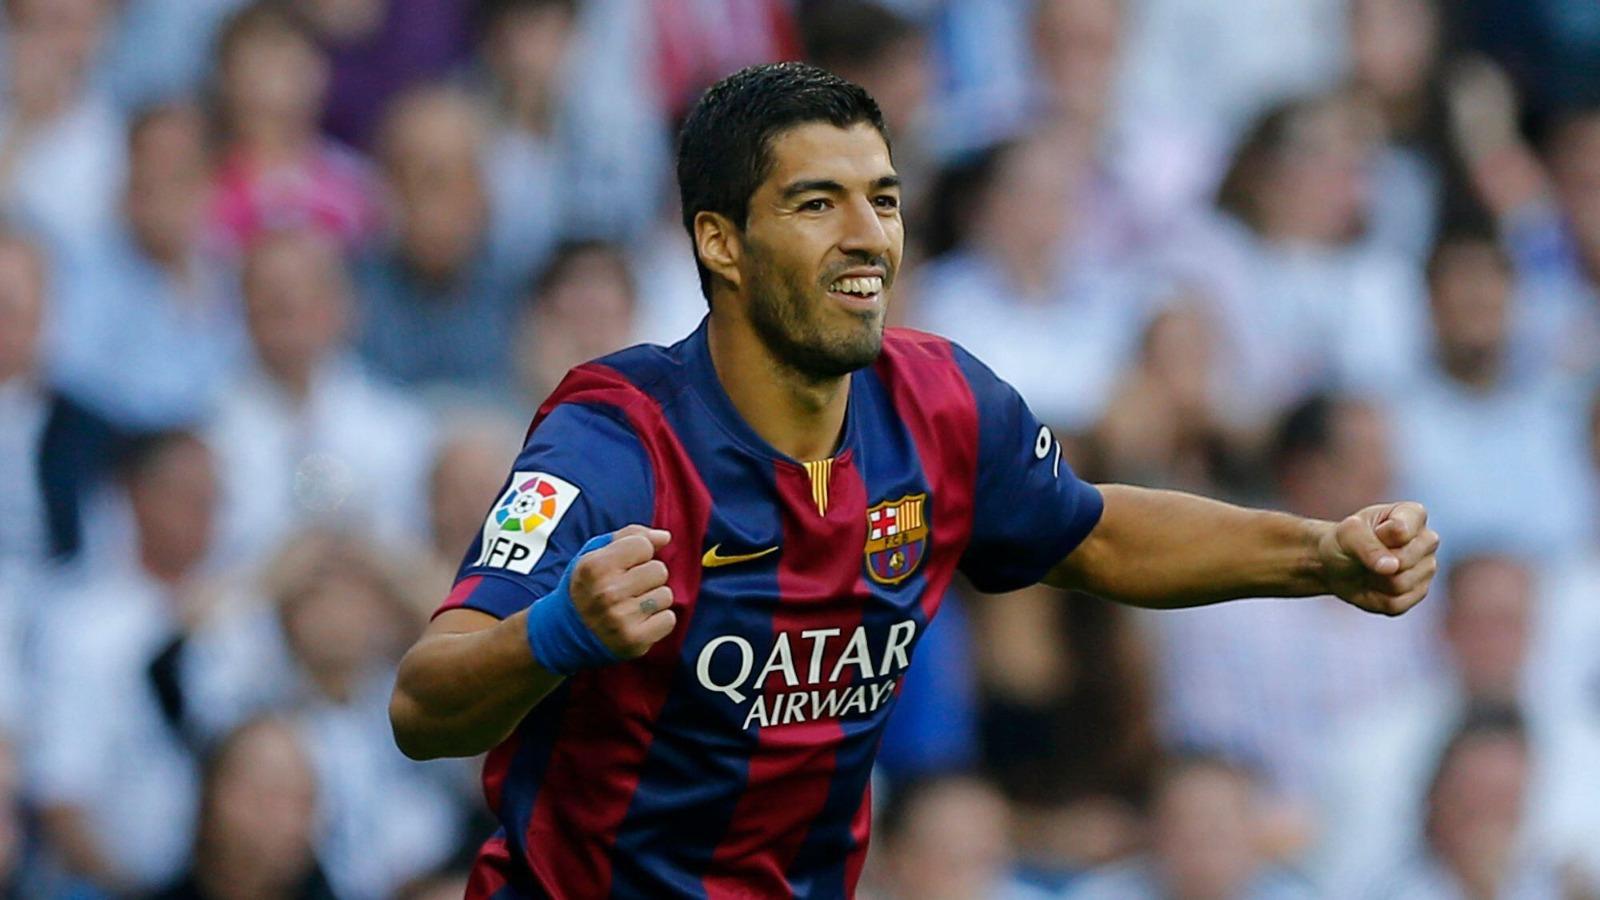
x,y
865,229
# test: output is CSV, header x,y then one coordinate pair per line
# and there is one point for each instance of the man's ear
x,y
720,245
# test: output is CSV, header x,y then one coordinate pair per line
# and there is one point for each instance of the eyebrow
x,y
829,186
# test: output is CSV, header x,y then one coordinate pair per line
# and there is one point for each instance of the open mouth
x,y
862,291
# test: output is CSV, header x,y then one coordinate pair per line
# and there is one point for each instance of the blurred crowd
x,y
281,284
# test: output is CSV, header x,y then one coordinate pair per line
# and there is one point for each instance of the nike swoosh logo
x,y
711,560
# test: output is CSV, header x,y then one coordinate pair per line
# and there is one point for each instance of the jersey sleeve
x,y
582,472
1029,509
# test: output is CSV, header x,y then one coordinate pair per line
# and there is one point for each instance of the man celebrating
x,y
683,624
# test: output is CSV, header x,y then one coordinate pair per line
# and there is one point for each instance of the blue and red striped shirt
x,y
733,758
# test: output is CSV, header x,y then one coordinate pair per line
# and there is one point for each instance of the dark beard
x,y
789,330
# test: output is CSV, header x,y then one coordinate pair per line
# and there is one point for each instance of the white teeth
x,y
865,287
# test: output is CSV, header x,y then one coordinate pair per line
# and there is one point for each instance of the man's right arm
x,y
465,685
471,677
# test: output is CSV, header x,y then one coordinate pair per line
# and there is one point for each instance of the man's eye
x,y
817,205
888,201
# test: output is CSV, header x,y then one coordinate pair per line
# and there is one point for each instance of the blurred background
x,y
282,283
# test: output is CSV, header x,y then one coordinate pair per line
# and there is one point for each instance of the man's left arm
x,y
1166,549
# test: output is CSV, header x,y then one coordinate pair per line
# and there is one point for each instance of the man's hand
x,y
1381,559
620,591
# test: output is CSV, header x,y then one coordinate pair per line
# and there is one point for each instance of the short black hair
x,y
1305,429
725,146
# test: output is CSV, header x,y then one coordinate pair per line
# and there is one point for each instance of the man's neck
x,y
798,416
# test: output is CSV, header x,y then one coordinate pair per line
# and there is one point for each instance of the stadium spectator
x,y
696,45
561,162
1214,67
61,152
1470,842
1065,724
1148,170
436,308
1377,762
1029,283
306,434
1395,61
1473,414
276,169
572,86
161,50
345,617
888,54
54,449
17,877
1266,682
467,476
1556,239
946,839
525,48
321,650
258,813
150,325
1205,823
1303,303
111,765
582,308
1166,423
376,49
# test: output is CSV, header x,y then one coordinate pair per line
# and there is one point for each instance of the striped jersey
x,y
732,759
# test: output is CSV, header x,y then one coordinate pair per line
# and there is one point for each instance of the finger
x,y
1359,540
657,627
1406,602
658,537
627,551
1402,523
639,580
1409,579
1421,547
653,602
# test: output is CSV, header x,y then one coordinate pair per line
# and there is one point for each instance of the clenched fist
x,y
620,591
1381,559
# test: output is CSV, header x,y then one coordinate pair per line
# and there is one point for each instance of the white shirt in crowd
x,y
355,452
1295,319
382,818
1063,351
101,743
1504,469
1378,765
1267,680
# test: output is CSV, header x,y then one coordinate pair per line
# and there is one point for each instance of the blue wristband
x,y
561,642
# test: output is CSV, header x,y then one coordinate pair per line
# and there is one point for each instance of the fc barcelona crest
x,y
897,538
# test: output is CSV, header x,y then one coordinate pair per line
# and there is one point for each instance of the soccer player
x,y
681,630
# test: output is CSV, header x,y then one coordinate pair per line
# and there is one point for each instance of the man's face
x,y
1471,300
821,248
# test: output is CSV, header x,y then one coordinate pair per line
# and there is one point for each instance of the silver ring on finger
x,y
648,606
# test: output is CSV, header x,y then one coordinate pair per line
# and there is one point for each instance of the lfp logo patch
x,y
519,525
897,538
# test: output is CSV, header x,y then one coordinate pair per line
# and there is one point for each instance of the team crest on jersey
x,y
519,525
897,538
